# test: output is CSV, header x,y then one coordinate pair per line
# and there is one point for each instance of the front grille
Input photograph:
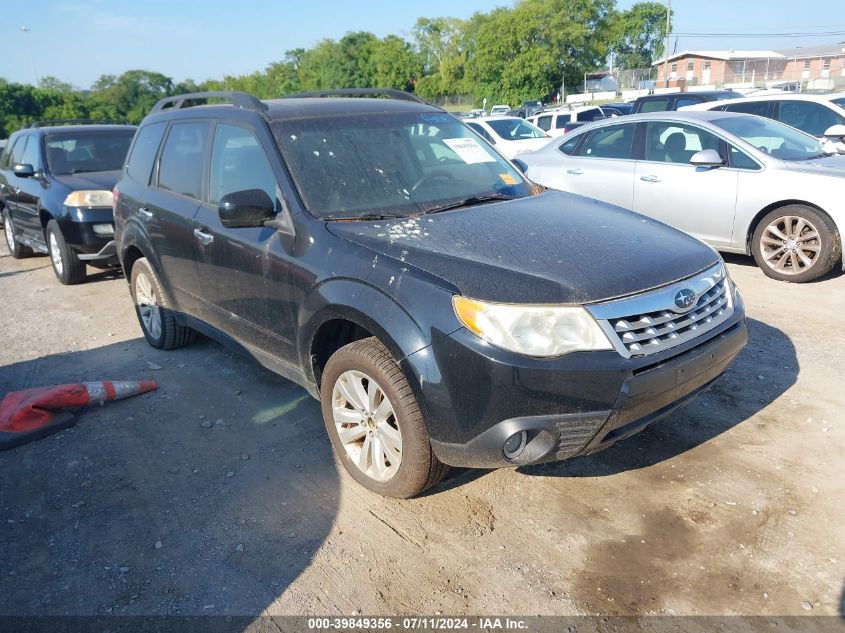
x,y
651,322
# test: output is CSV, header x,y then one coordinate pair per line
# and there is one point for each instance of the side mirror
x,y
707,158
520,165
835,132
248,208
23,170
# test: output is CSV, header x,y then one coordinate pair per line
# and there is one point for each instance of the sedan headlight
x,y
89,199
532,330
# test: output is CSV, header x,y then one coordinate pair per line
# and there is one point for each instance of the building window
x,y
690,65
674,69
826,64
807,64
706,65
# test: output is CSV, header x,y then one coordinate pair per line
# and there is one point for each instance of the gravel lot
x,y
217,494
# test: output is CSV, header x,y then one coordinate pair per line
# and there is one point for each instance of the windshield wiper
x,y
371,216
470,202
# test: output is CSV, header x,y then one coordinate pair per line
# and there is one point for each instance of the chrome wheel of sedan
x,y
790,245
147,303
366,425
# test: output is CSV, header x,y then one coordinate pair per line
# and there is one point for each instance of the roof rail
x,y
241,100
399,95
56,122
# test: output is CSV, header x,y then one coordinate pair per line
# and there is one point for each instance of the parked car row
x,y
445,309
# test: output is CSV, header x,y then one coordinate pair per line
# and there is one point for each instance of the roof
x,y
723,55
328,106
830,50
784,96
74,129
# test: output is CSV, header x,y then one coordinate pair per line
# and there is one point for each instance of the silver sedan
x,y
741,183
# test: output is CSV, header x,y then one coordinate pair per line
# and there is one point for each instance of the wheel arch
x,y
752,227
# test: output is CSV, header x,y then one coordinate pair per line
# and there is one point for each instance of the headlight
x,y
103,229
89,199
533,330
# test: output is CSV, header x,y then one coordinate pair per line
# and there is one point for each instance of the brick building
x,y
820,67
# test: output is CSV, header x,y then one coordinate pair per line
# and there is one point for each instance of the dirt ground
x,y
217,494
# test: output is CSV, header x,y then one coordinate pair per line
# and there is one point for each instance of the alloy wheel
x,y
790,245
148,308
56,254
366,425
7,229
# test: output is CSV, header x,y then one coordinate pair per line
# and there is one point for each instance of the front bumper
x,y
77,226
583,404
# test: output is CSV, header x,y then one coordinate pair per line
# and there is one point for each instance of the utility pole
x,y
25,30
666,46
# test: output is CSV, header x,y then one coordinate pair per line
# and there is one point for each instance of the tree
x,y
395,64
639,34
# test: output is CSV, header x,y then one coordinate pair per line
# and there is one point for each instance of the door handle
x,y
146,213
204,238
575,172
650,178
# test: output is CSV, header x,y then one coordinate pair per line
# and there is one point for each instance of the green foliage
x,y
525,51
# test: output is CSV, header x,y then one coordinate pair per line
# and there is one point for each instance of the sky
x,y
79,40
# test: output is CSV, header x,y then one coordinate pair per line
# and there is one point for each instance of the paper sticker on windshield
x,y
469,150
507,179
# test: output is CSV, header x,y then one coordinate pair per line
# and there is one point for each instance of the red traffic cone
x,y
34,413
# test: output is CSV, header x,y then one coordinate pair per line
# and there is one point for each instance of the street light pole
x,y
25,30
666,51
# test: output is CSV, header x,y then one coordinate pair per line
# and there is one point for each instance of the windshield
x,y
515,129
771,137
77,152
365,165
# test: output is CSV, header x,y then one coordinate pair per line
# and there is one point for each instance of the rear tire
x,y
152,307
16,249
796,243
386,447
68,267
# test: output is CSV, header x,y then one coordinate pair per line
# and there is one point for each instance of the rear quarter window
x,y
139,163
654,105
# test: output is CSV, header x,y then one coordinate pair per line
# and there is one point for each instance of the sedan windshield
x,y
771,137
77,152
515,129
384,165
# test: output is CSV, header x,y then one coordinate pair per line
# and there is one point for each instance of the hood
x,y
833,165
552,248
104,180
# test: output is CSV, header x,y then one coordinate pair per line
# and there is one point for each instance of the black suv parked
x,y
56,179
676,100
444,309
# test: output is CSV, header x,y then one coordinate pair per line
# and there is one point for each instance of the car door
x,y
170,205
603,165
30,191
698,200
245,288
9,183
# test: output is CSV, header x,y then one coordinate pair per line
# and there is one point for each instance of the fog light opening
x,y
515,444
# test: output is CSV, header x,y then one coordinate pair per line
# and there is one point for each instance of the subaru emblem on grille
x,y
685,299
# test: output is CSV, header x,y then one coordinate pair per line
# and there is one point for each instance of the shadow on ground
x,y
208,496
748,262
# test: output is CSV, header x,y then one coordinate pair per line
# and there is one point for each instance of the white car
x,y
559,121
743,184
511,135
810,113
499,110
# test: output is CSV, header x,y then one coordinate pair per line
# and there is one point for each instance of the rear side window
x,y
238,163
760,108
181,165
655,105
609,142
544,123
139,165
686,101
561,121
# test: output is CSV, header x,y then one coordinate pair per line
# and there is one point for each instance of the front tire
x,y
796,243
16,249
152,307
68,267
375,424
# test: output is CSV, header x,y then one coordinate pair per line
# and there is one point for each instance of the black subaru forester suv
x,y
444,310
